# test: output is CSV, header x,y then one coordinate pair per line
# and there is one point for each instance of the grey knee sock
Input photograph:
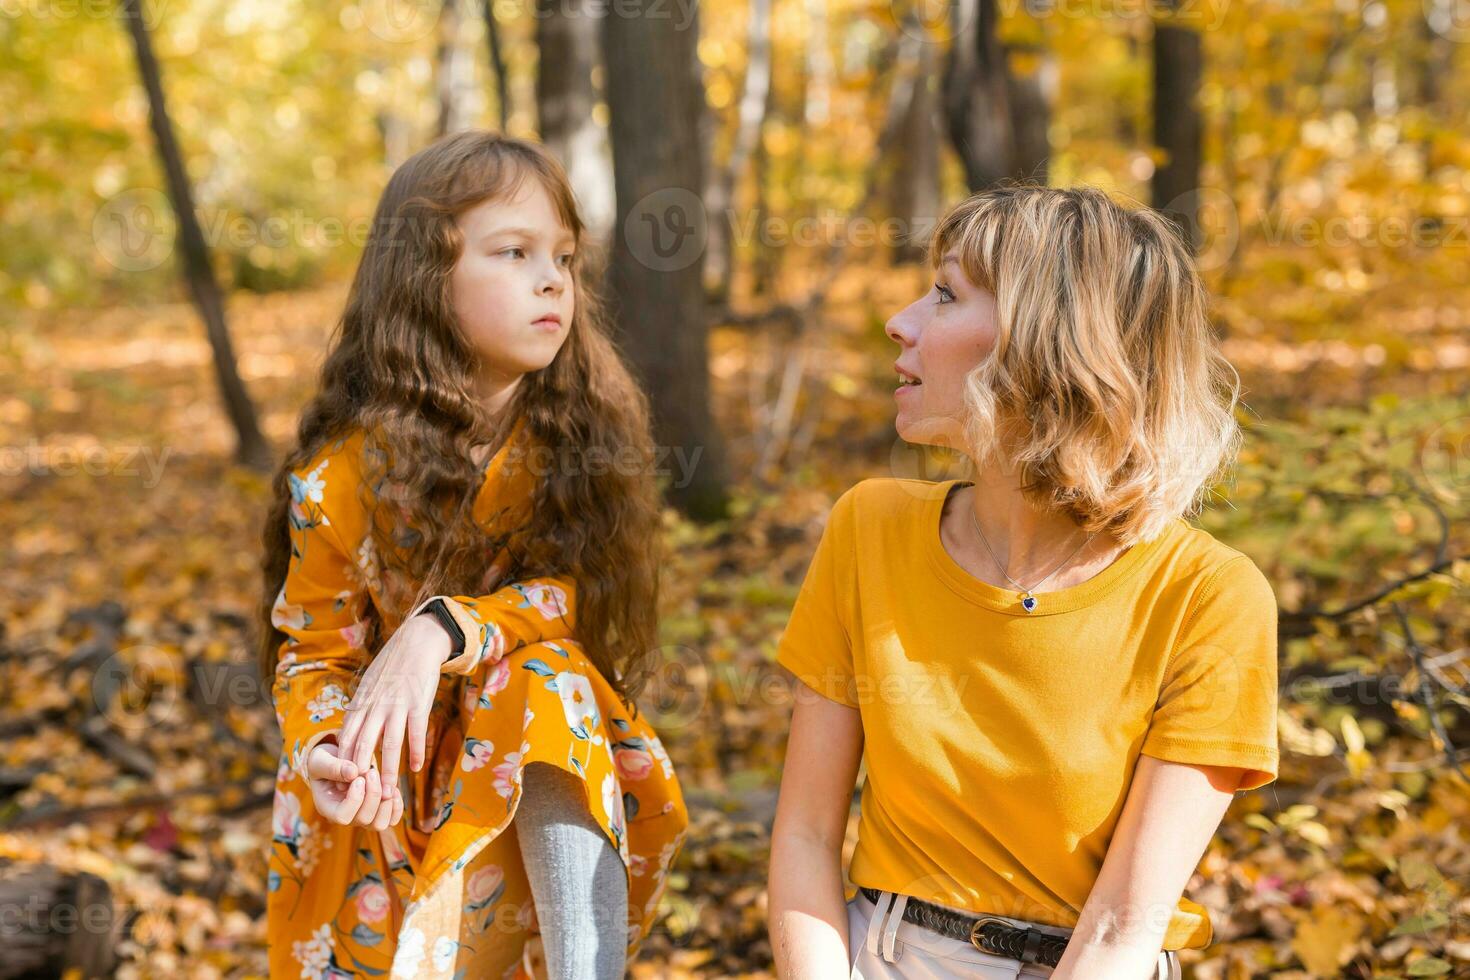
x,y
578,880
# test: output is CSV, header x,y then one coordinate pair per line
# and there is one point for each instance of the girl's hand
x,y
345,797
393,701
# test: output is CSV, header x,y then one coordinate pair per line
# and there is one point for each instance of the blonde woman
x,y
1058,682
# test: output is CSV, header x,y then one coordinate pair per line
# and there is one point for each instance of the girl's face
x,y
512,286
941,336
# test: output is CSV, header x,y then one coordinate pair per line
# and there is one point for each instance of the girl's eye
x,y
943,292
567,259
513,248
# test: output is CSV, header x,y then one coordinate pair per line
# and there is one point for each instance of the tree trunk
x,y
1435,64
396,137
57,924
750,120
976,95
914,188
450,71
1178,131
251,448
817,107
763,254
497,63
656,269
567,34
1031,84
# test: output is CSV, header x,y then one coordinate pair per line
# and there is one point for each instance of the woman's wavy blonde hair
x,y
1106,388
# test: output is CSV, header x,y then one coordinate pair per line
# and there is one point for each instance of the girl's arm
x,y
505,620
392,703
317,609
1171,812
807,915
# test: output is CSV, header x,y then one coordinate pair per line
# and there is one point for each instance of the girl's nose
x,y
553,282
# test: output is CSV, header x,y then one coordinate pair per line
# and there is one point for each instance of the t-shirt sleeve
x,y
816,645
1217,703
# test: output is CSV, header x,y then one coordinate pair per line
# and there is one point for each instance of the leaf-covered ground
x,y
137,747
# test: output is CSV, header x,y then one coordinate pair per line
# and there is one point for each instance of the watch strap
x,y
447,620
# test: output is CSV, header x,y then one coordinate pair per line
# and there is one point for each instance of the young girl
x,y
1058,683
464,544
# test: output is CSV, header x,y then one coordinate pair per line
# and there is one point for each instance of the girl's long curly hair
x,y
400,369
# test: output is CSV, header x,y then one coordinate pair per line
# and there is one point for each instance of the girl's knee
x,y
552,781
555,810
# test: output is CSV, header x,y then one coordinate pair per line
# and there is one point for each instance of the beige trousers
x,y
884,947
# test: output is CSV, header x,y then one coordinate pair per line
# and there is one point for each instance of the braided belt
x,y
985,932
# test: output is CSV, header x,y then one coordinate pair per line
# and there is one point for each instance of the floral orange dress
x,y
443,893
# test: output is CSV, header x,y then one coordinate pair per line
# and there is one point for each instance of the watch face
x,y
447,620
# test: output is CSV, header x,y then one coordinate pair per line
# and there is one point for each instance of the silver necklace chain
x,y
1028,601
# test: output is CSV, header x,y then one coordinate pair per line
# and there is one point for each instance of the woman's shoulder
x,y
1212,564
892,494
884,501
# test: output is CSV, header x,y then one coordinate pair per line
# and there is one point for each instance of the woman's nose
x,y
899,328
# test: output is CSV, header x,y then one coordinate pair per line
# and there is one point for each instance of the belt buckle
x,y
975,932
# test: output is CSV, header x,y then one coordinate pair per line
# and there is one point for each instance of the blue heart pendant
x,y
1028,603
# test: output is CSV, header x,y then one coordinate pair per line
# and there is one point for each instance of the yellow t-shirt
x,y
1000,744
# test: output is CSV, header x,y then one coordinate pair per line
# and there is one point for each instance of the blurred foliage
x,y
1353,347
1355,856
1320,121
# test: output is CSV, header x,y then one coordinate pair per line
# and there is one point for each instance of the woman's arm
x,y
806,913
1171,812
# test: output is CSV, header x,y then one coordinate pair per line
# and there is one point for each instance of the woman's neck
x,y
1036,548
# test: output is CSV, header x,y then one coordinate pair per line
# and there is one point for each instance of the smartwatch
x,y
451,626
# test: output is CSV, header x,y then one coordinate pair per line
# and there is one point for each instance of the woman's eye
x,y
944,292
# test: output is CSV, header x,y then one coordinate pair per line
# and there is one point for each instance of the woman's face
x,y
512,286
941,337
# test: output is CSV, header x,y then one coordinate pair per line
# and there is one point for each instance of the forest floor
x,y
116,488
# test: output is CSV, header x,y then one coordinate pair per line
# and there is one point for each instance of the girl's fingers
x,y
352,735
346,810
367,738
417,727
351,722
385,813
393,745
397,807
372,793
364,700
323,763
